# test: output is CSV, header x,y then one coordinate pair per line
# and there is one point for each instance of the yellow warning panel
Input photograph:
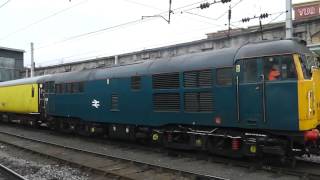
x,y
19,99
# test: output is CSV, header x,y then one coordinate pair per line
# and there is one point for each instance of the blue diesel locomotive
x,y
255,100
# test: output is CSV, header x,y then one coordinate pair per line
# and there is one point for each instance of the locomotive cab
x,y
277,88
308,91
309,99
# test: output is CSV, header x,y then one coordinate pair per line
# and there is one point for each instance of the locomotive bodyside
x,y
225,101
251,108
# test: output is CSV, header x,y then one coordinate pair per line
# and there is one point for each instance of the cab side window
x,y
279,68
249,70
288,69
271,69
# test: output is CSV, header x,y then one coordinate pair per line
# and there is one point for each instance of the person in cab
x,y
274,73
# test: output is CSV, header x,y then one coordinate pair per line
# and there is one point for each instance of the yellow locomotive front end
x,y
22,99
308,74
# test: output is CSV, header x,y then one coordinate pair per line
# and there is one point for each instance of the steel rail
x,y
191,173
12,172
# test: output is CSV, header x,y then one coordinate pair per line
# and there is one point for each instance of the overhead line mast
x,y
260,17
159,15
289,29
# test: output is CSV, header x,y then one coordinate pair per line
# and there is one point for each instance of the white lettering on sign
x,y
307,11
95,103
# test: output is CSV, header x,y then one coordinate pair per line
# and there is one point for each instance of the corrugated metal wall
x,y
11,64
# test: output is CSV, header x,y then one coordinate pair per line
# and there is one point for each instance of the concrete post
x,y
32,60
289,28
27,72
116,60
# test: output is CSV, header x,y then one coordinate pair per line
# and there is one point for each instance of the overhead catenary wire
x,y
206,17
144,5
42,19
219,17
275,18
206,5
90,33
226,12
118,26
262,16
166,11
5,3
109,28
90,52
215,19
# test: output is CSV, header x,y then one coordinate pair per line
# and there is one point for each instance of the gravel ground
x,y
34,167
312,158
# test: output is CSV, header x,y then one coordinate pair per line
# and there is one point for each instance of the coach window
x,y
224,76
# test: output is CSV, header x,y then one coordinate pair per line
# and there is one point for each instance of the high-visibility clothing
x,y
274,75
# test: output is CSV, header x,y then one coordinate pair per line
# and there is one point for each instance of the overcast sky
x,y
55,25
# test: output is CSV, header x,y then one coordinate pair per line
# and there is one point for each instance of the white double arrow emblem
x,y
95,103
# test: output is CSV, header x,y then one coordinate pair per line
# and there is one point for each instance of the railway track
x,y
108,165
7,173
304,169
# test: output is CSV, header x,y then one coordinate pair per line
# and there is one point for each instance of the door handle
x,y
257,88
262,77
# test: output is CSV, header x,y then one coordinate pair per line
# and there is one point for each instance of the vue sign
x,y
307,11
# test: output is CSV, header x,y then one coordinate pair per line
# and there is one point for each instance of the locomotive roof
x,y
203,60
269,48
195,61
31,80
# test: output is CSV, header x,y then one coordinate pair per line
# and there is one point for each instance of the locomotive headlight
x,y
253,148
155,137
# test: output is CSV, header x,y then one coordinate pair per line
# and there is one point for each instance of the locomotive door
x,y
46,91
250,92
41,100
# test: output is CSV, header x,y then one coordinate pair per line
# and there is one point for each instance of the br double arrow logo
x,y
95,103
